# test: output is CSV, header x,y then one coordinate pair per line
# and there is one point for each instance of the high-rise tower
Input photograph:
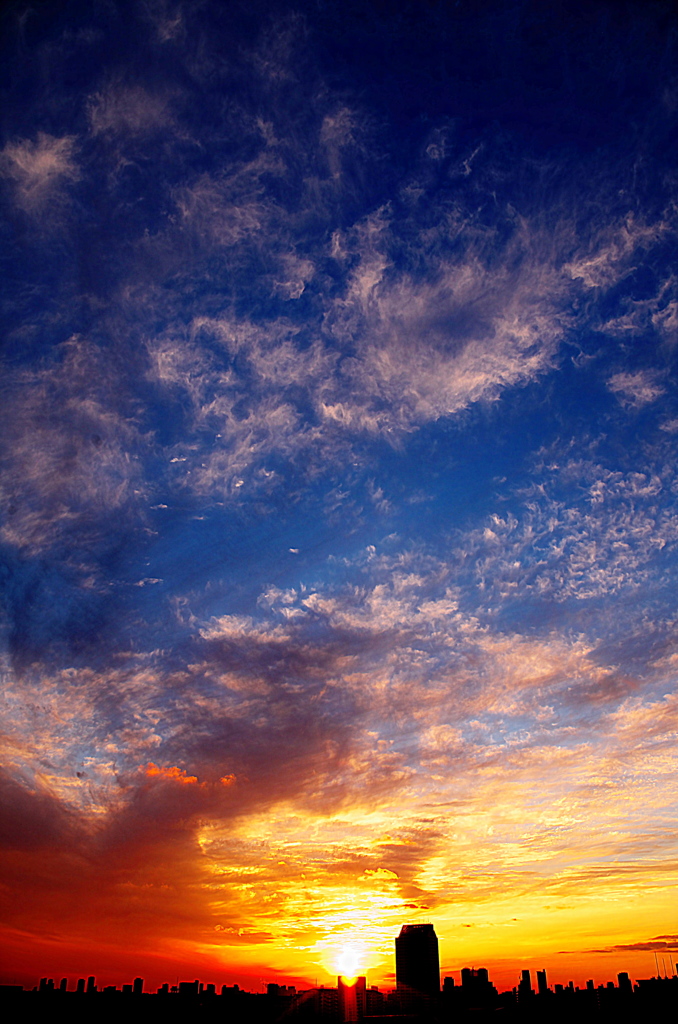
x,y
417,963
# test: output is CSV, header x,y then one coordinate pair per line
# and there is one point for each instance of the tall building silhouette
x,y
525,990
417,963
352,1000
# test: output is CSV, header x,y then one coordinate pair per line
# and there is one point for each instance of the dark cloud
x,y
663,943
32,820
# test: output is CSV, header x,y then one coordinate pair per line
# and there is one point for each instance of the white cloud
x,y
612,251
665,320
40,169
601,544
228,211
635,388
428,347
71,471
129,110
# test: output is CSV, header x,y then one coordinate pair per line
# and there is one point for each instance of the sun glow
x,y
348,961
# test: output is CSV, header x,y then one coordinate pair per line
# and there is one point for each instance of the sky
x,y
338,487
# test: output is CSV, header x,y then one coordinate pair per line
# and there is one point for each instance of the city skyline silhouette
x,y
417,974
419,994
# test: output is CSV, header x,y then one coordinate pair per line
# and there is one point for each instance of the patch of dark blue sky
x,y
495,114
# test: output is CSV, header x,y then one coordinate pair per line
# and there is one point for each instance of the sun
x,y
348,961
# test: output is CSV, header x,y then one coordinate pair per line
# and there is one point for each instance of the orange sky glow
x,y
521,865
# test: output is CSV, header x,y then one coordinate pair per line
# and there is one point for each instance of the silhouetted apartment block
x,y
476,988
138,986
542,987
189,988
326,1002
472,977
315,1003
280,991
417,964
375,1001
351,998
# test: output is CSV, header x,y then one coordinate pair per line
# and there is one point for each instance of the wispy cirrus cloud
x,y
611,251
635,389
390,355
70,450
603,543
40,170
126,109
426,346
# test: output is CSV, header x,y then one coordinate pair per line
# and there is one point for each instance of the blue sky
x,y
338,472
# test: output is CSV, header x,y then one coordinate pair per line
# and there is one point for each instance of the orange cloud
x,y
173,773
